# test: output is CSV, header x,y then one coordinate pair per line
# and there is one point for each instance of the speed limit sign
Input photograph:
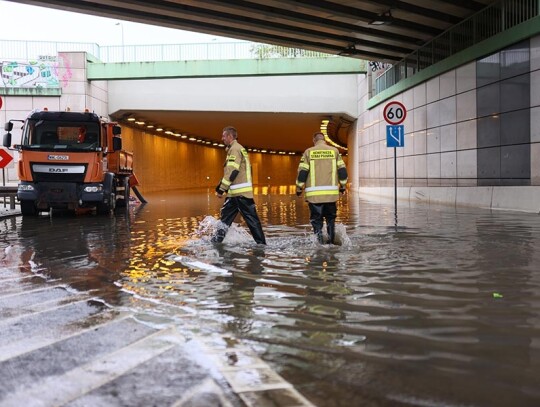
x,y
394,113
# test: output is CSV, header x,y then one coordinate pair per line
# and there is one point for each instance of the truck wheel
x,y
106,208
125,191
28,208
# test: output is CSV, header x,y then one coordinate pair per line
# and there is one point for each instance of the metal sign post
x,y
394,114
395,137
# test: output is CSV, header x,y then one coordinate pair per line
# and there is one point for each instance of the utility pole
x,y
122,28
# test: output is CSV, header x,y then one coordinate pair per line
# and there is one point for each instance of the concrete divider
x,y
523,199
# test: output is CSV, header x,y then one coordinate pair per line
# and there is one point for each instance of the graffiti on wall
x,y
29,74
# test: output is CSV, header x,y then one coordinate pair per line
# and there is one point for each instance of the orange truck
x,y
71,160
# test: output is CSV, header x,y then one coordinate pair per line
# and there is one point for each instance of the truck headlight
x,y
25,187
93,188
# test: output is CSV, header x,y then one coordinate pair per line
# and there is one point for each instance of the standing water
x,y
441,309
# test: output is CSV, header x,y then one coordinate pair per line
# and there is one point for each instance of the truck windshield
x,y
73,136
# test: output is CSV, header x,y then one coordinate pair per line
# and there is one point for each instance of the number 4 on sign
x,y
395,136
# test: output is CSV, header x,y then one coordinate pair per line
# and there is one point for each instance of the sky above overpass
x,y
33,23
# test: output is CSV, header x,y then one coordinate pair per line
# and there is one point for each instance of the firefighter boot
x,y
331,229
249,212
316,219
219,236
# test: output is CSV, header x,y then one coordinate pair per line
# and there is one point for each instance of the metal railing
x,y
43,50
483,25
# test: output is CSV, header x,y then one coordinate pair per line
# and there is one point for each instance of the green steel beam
x,y
5,91
491,45
223,68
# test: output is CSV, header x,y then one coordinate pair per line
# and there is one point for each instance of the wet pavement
x,y
439,309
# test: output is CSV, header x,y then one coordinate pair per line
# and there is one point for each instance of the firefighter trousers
x,y
318,214
246,207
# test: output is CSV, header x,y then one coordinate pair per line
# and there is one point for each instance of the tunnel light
x,y
221,145
192,139
215,144
264,151
183,136
149,126
139,123
177,134
169,132
159,129
131,119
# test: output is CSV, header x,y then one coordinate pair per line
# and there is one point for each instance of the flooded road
x,y
443,309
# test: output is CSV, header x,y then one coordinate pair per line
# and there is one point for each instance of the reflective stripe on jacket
x,y
237,159
322,163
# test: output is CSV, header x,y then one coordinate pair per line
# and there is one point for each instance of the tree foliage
x,y
265,51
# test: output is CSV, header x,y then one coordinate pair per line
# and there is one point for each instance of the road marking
x,y
41,308
60,390
37,290
34,343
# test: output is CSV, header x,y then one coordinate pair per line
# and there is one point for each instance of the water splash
x,y
340,239
209,226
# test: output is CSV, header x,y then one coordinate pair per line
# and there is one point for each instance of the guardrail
x,y
485,24
43,50
8,192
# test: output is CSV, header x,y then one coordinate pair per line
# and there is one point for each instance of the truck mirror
x,y
8,126
116,130
7,139
117,143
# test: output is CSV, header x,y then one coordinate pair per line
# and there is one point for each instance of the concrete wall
x,y
78,93
472,136
305,94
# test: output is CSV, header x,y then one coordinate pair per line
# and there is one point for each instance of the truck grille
x,y
47,172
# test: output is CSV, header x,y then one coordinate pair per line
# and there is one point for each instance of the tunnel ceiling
x,y
382,30
289,132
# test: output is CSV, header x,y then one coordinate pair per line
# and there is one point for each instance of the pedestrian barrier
x,y
8,192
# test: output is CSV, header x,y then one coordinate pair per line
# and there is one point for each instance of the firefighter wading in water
x,y
323,176
236,183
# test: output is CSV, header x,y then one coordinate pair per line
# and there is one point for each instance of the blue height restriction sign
x,y
395,136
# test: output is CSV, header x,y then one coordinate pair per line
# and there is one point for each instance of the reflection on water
x,y
443,310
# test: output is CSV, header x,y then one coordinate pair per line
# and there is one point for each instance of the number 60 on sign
x,y
394,113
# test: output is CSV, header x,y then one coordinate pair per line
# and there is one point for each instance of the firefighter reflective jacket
x,y
321,173
236,179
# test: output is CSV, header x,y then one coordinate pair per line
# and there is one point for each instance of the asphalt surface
x,y
60,346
